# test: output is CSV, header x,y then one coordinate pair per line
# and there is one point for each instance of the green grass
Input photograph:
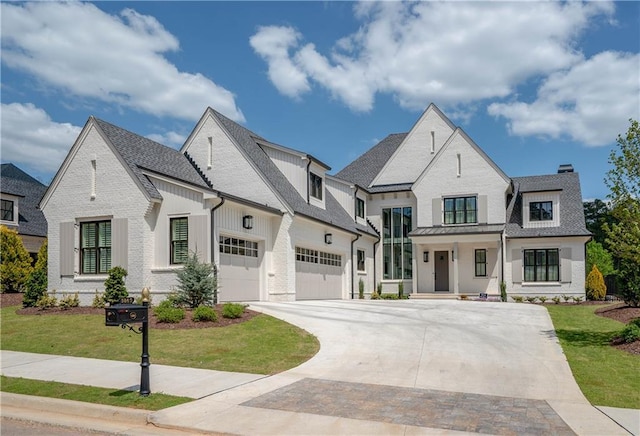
x,y
262,345
90,394
606,376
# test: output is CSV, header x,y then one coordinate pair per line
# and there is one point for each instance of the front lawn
x,y
607,376
261,345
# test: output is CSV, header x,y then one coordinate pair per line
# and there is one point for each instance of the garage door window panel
x,y
238,247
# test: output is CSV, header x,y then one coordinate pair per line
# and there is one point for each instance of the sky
x,y
534,84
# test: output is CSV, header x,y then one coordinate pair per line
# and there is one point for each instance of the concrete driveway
x,y
409,367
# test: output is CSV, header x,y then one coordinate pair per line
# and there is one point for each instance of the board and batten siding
x,y
292,166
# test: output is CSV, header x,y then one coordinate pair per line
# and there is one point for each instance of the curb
x,y
75,408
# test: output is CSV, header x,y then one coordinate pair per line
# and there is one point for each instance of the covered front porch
x,y
460,260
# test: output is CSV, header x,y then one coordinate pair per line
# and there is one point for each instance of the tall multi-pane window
x,y
481,263
361,258
95,247
541,211
460,210
359,207
315,186
7,210
541,265
397,250
179,240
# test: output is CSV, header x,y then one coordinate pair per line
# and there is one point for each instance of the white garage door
x,y
318,275
239,270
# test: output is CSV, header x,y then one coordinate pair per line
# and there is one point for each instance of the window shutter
x,y
482,209
516,265
565,265
120,242
437,211
67,249
492,262
198,236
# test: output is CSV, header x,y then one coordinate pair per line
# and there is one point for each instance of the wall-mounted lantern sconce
x,y
328,238
425,256
452,253
247,221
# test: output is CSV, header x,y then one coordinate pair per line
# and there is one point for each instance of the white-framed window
x,y
7,210
481,263
359,207
315,256
315,186
360,260
179,240
95,247
238,247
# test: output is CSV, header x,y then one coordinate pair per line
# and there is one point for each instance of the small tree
x,y
599,256
36,285
114,288
595,287
197,282
15,262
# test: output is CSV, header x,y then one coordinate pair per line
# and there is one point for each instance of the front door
x,y
442,271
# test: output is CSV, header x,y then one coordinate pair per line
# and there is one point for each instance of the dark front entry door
x,y
442,271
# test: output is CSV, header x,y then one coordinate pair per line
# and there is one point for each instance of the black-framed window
x,y
460,210
361,257
481,263
396,245
315,186
179,240
240,247
95,247
541,211
7,210
542,265
359,207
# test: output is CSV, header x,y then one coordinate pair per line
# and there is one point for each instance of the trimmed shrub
x,y
566,298
375,295
577,300
165,312
47,301
542,299
15,262
69,301
517,298
630,333
203,314
361,289
595,287
36,285
232,310
114,288
503,292
197,282
556,300
531,299
389,296
400,290
98,301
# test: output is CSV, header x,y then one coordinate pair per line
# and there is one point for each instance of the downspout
x,y
352,266
502,256
374,263
213,243
308,179
355,204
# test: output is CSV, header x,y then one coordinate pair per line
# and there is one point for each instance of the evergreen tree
x,y
15,262
114,288
198,283
595,287
36,285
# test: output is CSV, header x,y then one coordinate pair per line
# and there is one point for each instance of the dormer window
x,y
315,186
541,211
7,210
359,208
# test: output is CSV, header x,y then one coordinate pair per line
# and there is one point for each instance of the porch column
x,y
454,258
414,268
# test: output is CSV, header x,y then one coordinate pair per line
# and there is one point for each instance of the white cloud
x,y
591,102
32,140
451,53
172,139
115,59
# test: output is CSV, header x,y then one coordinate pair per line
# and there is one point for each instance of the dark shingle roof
x,y
572,221
31,220
333,213
141,153
364,170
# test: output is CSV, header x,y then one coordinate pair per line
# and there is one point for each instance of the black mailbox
x,y
119,314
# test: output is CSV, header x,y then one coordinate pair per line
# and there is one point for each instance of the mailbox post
x,y
123,315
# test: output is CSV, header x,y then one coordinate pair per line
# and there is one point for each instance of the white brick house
x,y
427,208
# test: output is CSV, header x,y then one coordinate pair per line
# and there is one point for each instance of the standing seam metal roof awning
x,y
480,229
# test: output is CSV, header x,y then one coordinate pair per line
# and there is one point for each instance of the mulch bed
x,y
186,323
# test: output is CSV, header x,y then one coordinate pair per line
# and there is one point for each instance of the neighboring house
x,y
19,195
428,208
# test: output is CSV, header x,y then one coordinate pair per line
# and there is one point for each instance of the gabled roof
x,y
14,181
333,213
364,169
143,154
572,221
